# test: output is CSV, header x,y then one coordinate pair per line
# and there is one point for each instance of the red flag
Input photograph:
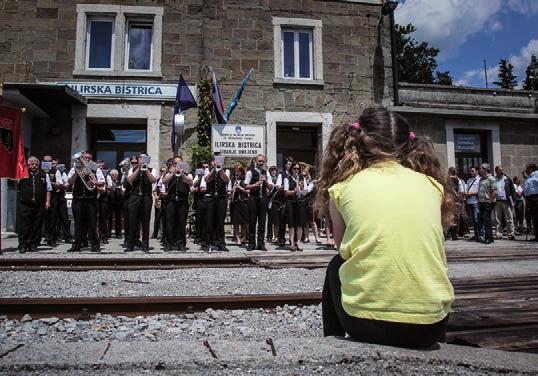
x,y
13,163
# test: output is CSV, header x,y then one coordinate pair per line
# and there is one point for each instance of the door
x,y
471,150
299,142
113,143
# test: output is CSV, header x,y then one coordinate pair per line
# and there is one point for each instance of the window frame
x,y
119,59
89,21
138,21
296,53
280,25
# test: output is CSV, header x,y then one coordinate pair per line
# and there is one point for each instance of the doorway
x,y
113,143
471,150
299,142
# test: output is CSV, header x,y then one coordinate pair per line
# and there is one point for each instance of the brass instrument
x,y
124,165
85,170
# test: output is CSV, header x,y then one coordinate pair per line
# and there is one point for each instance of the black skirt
x,y
297,215
239,212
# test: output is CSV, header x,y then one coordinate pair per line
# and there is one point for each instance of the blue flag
x,y
184,101
237,96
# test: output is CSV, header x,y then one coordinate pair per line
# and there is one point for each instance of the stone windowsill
x,y
117,74
295,81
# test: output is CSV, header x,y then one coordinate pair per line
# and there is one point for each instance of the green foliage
x,y
531,81
202,150
417,62
507,79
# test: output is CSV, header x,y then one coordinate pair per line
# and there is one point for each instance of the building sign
x,y
238,140
467,143
134,90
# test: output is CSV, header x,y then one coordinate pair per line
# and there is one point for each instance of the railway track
x,y
269,260
499,313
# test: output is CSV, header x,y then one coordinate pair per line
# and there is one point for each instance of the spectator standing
x,y
503,205
487,192
530,191
519,206
454,186
472,200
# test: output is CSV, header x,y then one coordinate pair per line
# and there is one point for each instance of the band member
x,y
140,201
282,218
126,189
103,204
217,185
256,183
159,204
178,185
85,199
33,199
115,204
312,215
198,203
273,207
239,207
63,226
296,188
50,216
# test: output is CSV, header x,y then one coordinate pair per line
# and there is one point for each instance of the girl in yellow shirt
x,y
384,191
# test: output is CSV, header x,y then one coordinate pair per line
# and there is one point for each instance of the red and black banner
x,y
12,161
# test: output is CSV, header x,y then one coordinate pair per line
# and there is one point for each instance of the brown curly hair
x,y
381,136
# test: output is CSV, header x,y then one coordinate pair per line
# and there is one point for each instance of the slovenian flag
x,y
184,101
217,101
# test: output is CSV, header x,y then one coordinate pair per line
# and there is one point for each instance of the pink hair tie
x,y
412,135
355,125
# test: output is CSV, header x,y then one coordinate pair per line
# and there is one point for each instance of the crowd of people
x,y
494,204
261,205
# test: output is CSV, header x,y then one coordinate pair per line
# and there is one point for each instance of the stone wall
x,y
519,145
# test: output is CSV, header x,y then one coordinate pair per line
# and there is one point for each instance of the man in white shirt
x,y
472,199
530,191
85,204
256,183
62,223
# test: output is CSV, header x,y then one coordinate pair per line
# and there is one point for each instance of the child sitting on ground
x,y
384,191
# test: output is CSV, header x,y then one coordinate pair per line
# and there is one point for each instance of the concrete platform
x,y
293,356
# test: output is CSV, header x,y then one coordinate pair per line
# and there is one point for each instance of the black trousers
x,y
257,208
29,223
51,218
176,222
336,322
157,219
282,222
201,214
63,227
85,214
102,203
126,222
139,213
115,209
532,202
484,219
215,217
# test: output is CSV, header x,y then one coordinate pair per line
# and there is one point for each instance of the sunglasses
x,y
134,162
296,168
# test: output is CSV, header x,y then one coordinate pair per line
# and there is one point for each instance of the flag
x,y
237,95
217,101
13,164
184,101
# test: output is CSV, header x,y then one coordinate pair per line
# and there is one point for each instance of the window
x,y
119,40
297,51
100,37
138,49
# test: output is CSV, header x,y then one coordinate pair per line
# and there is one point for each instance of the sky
x,y
470,31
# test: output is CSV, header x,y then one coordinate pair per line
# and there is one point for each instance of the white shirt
x,y
98,175
131,171
519,191
309,186
472,188
531,185
203,183
248,177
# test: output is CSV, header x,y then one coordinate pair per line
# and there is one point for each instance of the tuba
x,y
85,170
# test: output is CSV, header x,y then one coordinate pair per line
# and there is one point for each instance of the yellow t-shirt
x,y
395,265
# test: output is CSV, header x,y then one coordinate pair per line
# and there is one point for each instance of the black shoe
x,y
32,248
22,249
68,240
95,248
204,248
261,247
84,245
488,241
139,244
74,248
182,248
250,247
224,249
51,243
128,249
145,248
282,244
104,240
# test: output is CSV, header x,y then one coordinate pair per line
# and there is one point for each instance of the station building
x,y
101,75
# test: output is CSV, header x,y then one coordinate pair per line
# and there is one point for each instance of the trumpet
x,y
85,170
124,165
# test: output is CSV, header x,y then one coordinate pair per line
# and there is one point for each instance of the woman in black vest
x,y
33,200
257,184
239,207
295,187
178,185
140,202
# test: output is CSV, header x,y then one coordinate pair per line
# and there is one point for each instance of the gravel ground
x,y
287,321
